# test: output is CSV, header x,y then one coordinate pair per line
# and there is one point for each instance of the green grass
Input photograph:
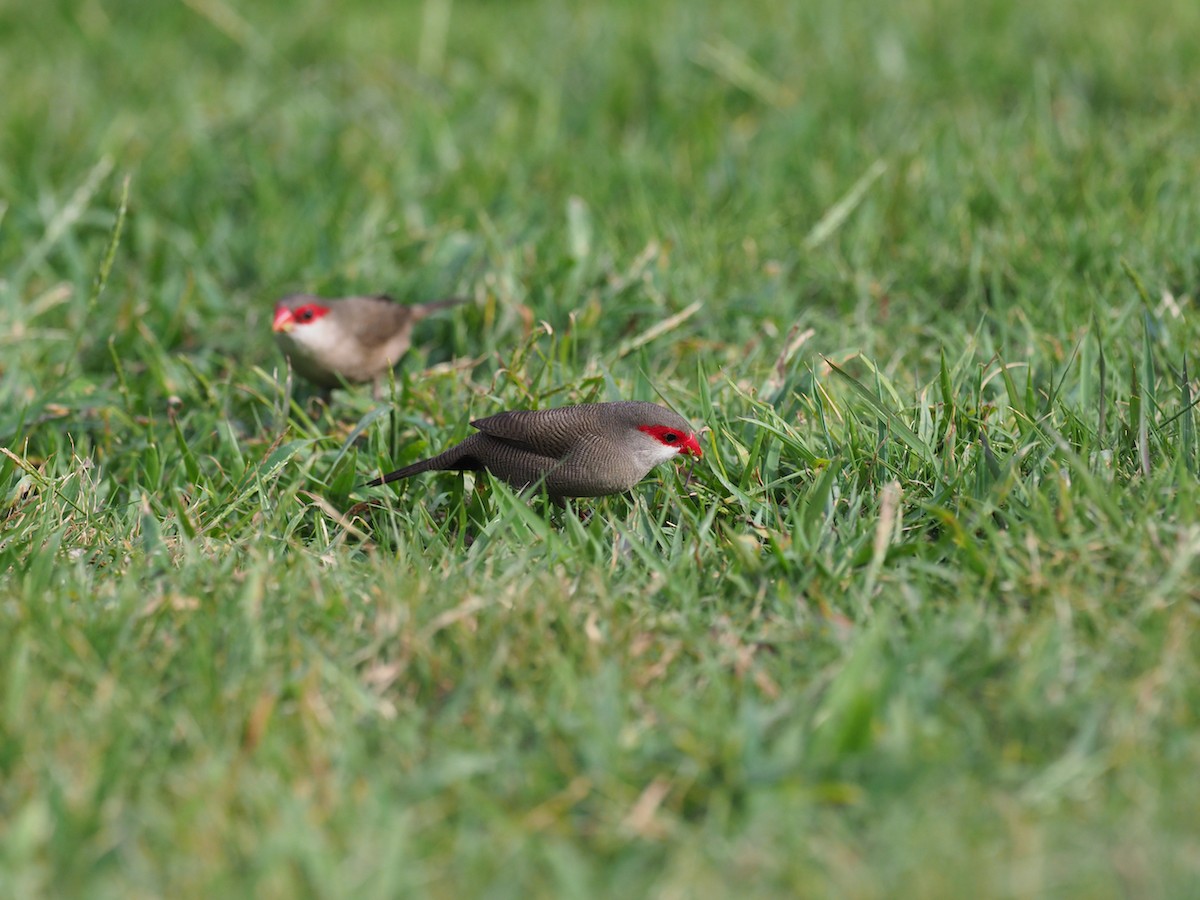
x,y
924,621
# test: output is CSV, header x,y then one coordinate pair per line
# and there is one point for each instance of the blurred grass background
x,y
925,621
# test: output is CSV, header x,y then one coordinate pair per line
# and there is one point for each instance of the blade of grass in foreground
x,y
889,416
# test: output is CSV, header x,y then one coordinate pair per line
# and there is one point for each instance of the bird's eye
x,y
306,314
670,437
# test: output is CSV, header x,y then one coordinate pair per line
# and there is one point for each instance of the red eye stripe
x,y
309,312
685,441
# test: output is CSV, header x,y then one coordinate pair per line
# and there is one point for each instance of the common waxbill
x,y
353,339
588,450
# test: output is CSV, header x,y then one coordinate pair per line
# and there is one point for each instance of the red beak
x,y
284,320
691,447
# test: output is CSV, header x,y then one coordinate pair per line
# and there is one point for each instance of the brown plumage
x,y
588,450
353,339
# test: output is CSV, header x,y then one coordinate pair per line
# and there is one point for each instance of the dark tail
x,y
424,309
459,457
415,469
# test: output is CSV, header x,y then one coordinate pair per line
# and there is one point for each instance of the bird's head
x,y
674,438
660,436
295,314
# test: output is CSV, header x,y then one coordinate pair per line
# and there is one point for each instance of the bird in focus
x,y
352,339
589,450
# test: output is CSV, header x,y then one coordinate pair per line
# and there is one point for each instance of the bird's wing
x,y
546,432
376,320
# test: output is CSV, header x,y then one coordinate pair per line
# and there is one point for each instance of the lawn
x,y
922,622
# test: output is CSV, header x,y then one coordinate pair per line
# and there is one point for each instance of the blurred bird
x,y
354,339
